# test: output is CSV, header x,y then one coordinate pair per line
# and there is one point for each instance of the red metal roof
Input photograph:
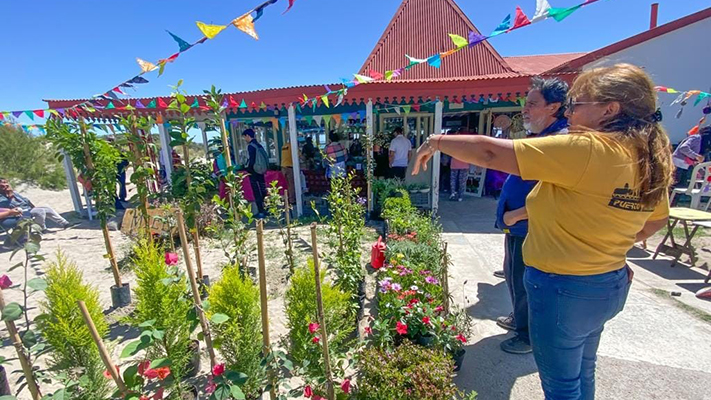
x,y
538,64
420,28
578,63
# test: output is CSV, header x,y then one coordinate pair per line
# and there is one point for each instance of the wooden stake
x,y
195,289
287,218
105,357
228,158
196,248
263,295
24,362
321,317
445,279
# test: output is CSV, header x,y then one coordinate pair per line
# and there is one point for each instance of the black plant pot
x,y
361,288
120,296
4,384
458,359
194,366
361,309
425,340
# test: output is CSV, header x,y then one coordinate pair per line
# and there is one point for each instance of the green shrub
x,y
63,327
240,338
409,372
301,310
416,255
161,296
25,158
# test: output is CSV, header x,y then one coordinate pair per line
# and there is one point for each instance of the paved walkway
x,y
652,350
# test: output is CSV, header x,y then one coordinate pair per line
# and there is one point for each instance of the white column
x,y
165,150
203,129
369,131
294,139
72,183
439,107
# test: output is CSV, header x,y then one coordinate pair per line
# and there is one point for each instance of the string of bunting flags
x,y
543,11
683,98
244,23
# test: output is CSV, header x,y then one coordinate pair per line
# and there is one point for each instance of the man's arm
x,y
391,158
687,147
512,217
649,229
252,152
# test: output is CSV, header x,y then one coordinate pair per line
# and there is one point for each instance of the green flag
x,y
560,14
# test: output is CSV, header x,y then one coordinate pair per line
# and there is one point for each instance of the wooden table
x,y
685,216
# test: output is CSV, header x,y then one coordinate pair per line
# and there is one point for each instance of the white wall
x,y
680,59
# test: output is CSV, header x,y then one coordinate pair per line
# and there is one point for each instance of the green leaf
x,y
11,312
29,339
31,247
37,284
160,362
147,324
8,398
218,319
158,334
134,347
236,392
59,394
16,266
130,376
184,108
237,378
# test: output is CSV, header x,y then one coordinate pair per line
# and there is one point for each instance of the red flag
x,y
39,113
161,103
253,105
233,103
118,90
521,19
376,75
291,4
416,107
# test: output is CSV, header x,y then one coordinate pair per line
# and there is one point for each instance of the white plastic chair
x,y
699,186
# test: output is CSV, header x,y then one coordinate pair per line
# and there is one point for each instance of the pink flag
x,y
521,19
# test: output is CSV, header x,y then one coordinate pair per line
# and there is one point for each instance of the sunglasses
x,y
572,103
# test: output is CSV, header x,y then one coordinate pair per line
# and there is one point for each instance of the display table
x,y
269,177
685,216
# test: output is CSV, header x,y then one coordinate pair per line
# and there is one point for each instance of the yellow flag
x,y
670,90
362,78
54,112
145,65
245,23
324,98
210,31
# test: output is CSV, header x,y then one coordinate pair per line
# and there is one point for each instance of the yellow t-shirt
x,y
286,161
584,213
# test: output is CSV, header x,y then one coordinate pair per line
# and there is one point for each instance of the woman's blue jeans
x,y
566,317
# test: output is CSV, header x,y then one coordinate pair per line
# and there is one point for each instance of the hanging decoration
x,y
683,98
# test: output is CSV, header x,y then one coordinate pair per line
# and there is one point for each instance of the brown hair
x,y
636,123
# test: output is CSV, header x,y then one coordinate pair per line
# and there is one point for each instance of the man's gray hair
x,y
553,90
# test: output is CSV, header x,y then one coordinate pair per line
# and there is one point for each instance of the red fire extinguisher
x,y
377,253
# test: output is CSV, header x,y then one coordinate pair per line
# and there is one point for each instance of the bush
x,y
63,327
240,338
25,158
416,255
301,311
409,372
161,296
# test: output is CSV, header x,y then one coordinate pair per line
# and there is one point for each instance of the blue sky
x,y
77,48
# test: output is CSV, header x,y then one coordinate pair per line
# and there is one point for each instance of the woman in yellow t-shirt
x,y
601,189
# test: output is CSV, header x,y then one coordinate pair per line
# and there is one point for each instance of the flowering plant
x,y
223,384
146,373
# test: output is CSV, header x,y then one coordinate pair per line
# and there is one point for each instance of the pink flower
x,y
315,339
461,338
314,327
210,387
107,374
368,330
171,258
432,280
396,287
143,367
218,369
346,386
5,282
426,320
439,309
308,392
159,394
401,328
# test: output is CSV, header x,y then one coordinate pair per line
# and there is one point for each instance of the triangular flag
x,y
414,61
262,106
129,107
126,85
363,78
111,95
701,97
161,103
60,111
376,75
324,99
2,116
181,43
560,14
337,119
245,23
138,79
397,110
388,75
346,116
210,31
340,100
110,106
152,104
458,41
670,90
416,107
253,105
435,61
233,102
29,114
503,26
318,119
327,119
309,119
195,104
291,4
475,38
243,104
118,90
40,113
520,20
542,8
406,109
54,112
347,82
139,104
145,65
449,52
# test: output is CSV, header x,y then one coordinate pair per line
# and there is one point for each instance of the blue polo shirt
x,y
515,190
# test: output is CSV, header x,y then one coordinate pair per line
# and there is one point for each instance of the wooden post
x,y
195,289
263,295
138,155
445,280
105,357
196,247
321,317
287,219
227,155
24,362
104,228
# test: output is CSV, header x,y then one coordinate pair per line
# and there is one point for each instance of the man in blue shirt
x,y
543,114
22,207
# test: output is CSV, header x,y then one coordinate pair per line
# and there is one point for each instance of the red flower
x,y
314,327
144,397
401,328
439,309
163,372
315,339
461,338
210,387
346,386
426,320
107,374
159,394
171,258
5,282
150,373
308,392
368,330
218,369
143,367
414,301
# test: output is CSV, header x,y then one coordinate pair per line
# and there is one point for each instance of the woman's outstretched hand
x,y
424,153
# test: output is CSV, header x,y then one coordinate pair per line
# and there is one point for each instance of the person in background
x,y
601,189
219,170
287,168
256,169
308,152
543,115
459,173
399,155
22,207
336,157
688,153
121,178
